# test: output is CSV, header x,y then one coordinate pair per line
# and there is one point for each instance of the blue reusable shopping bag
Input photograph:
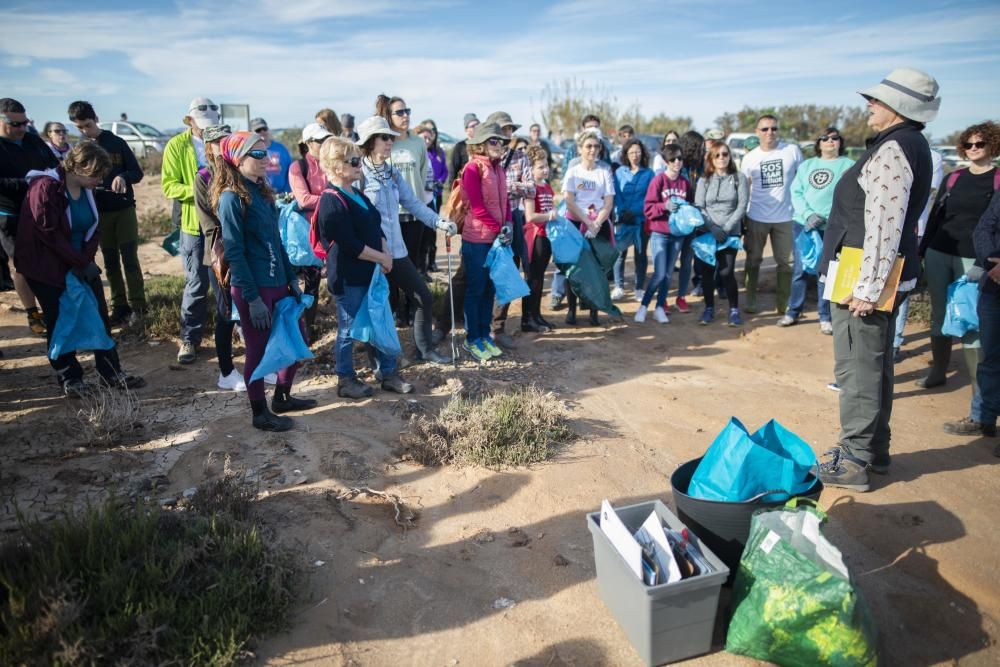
x,y
503,272
685,219
285,344
960,316
705,246
810,247
374,322
79,325
565,238
294,230
739,465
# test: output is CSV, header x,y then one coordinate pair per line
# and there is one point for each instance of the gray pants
x,y
862,350
782,235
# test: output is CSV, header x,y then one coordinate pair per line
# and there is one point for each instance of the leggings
x,y
541,253
725,264
311,276
404,277
256,340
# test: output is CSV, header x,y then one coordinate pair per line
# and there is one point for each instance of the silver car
x,y
142,139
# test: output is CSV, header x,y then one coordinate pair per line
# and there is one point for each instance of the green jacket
x,y
180,168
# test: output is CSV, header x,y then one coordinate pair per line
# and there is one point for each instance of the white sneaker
x,y
826,328
661,316
639,294
271,378
617,294
233,381
640,315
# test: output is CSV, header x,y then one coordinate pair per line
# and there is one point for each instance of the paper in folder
x,y
843,273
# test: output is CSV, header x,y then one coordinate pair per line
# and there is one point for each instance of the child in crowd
x,y
537,212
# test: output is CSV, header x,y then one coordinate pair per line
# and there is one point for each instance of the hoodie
x,y
44,250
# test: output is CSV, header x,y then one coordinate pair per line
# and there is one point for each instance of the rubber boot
x,y
283,401
940,358
750,302
266,420
783,291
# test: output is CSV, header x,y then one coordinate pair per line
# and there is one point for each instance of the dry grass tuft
x,y
107,415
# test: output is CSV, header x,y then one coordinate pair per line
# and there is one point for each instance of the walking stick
x,y
451,303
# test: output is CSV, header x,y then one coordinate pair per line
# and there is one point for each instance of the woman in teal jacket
x,y
631,182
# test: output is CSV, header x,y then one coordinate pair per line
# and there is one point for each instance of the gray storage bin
x,y
665,623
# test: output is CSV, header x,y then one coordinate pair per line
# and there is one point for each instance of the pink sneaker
x,y
682,305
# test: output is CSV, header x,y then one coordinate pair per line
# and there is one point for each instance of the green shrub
x,y
154,224
163,307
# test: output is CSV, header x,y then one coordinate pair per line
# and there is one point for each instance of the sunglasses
x,y
773,128
676,159
258,154
318,141
385,137
15,123
830,137
354,162
496,142
261,130
205,107
58,131
401,112
718,155
974,144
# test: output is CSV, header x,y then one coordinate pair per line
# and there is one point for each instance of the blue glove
x,y
670,205
506,235
260,316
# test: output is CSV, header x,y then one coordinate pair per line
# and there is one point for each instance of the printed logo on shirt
x,y
772,174
821,178
273,163
588,185
543,201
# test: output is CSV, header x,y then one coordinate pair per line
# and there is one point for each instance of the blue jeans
x,y
664,249
687,267
631,236
348,305
479,291
904,313
800,283
988,371
193,305
558,289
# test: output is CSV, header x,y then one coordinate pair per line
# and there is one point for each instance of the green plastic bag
x,y
793,599
588,276
172,242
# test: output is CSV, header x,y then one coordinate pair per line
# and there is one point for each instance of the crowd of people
x,y
374,193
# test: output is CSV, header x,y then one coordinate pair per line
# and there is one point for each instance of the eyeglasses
x,y
772,128
318,141
354,162
830,137
496,142
205,107
721,155
258,154
974,144
401,112
675,159
54,131
14,123
261,130
385,137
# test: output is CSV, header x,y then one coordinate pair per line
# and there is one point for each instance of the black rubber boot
x,y
265,420
283,401
940,358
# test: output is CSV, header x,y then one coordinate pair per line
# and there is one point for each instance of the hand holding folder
x,y
842,277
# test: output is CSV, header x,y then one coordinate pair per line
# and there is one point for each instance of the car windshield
x,y
736,143
147,130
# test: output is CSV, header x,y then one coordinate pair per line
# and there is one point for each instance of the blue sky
x,y
289,58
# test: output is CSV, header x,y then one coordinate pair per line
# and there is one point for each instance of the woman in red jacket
x,y
57,234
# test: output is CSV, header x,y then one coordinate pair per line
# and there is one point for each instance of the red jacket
x,y
43,249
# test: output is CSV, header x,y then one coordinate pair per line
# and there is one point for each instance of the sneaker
x,y
786,321
490,345
76,389
271,378
707,316
682,305
734,318
966,426
433,357
697,291
833,386
639,293
617,294
843,470
119,315
660,315
826,328
187,353
397,384
555,301
232,382
477,350
640,315
36,322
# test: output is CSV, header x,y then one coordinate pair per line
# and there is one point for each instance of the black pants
x,y
224,325
311,277
541,253
66,365
725,271
405,278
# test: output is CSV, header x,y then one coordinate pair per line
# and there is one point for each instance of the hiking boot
x,y
617,294
397,384
843,470
125,381
232,382
707,316
660,315
966,426
503,340
490,345
36,322
353,388
433,357
283,401
119,316
826,328
76,389
786,321
187,353
682,305
734,318
640,315
477,350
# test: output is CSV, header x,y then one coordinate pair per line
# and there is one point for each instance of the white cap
x,y
204,112
315,132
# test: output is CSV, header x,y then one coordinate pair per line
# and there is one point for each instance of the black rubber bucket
x,y
723,526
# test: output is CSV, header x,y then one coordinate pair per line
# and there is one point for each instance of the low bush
x,y
106,415
152,163
502,429
154,223
163,307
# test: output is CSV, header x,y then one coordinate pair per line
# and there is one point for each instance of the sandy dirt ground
x,y
643,398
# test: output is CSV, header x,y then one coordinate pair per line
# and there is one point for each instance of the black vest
x,y
846,226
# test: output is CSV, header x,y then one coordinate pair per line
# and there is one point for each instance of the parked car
x,y
142,139
735,143
951,158
446,141
651,142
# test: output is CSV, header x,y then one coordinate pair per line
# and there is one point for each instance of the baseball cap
x,y
347,120
203,112
257,124
469,119
715,134
216,132
315,132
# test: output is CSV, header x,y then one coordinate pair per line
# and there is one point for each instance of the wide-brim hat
x,y
909,92
486,131
503,119
372,126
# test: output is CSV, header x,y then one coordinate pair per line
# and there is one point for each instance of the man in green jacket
x,y
182,157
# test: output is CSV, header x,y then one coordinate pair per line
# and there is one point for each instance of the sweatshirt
x,y
661,188
812,190
722,200
409,157
124,164
309,188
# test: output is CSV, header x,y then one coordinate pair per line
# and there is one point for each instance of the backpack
x,y
458,201
319,246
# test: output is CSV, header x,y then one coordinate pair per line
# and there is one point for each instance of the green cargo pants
x,y
120,247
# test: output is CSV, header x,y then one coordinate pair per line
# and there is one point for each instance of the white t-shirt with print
x,y
590,186
771,175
